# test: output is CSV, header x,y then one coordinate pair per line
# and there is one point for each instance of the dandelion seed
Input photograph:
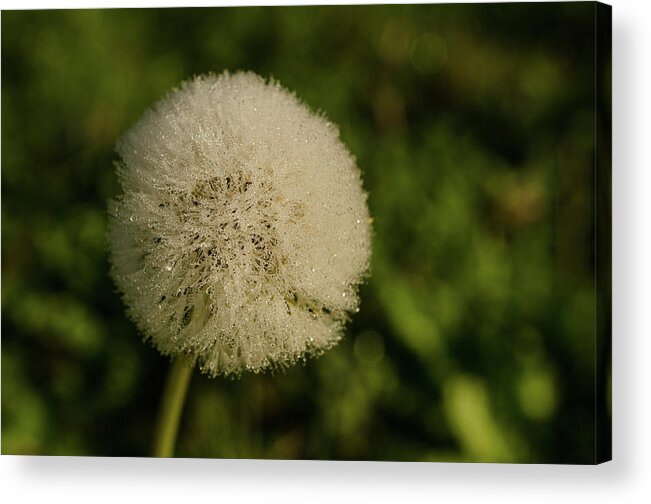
x,y
257,204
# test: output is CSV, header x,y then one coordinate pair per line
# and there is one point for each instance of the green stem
x,y
171,407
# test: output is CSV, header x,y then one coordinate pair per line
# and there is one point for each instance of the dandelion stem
x,y
171,407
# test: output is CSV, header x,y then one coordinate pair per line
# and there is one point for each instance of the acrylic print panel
x,y
352,233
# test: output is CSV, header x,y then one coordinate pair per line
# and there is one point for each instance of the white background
x,y
626,480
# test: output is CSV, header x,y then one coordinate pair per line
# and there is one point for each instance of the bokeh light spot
x,y
537,394
429,53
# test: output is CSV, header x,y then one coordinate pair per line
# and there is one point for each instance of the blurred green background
x,y
474,128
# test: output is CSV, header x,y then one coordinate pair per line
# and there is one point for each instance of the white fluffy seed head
x,y
243,231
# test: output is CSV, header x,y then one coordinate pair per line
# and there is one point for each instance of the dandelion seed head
x,y
242,232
